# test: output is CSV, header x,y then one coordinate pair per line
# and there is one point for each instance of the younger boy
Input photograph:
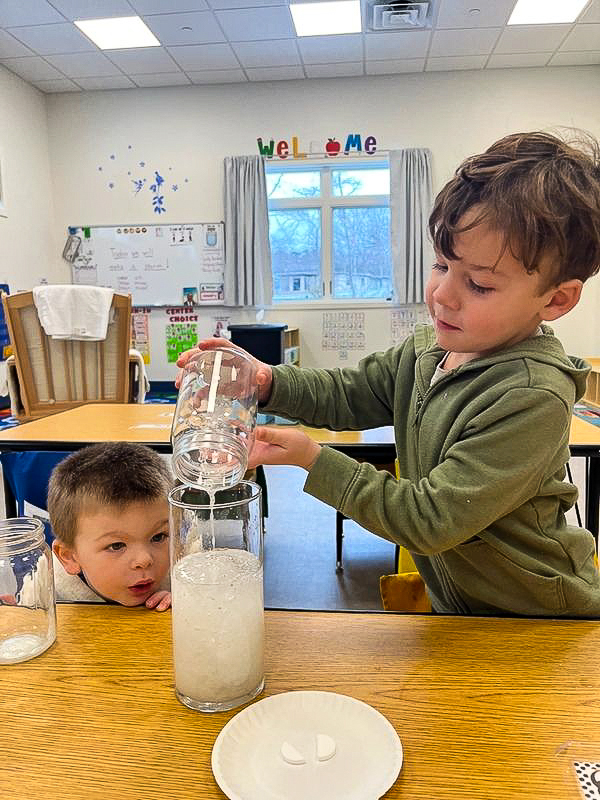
x,y
481,402
109,512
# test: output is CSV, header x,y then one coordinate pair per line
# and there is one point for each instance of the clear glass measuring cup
x,y
215,417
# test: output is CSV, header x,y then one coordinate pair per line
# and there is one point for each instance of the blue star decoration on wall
x,y
133,168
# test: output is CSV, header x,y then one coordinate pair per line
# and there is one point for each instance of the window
x,y
329,228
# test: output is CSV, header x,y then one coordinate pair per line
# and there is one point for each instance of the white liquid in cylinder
x,y
218,625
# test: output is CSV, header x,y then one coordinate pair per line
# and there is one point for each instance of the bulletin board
x,y
159,265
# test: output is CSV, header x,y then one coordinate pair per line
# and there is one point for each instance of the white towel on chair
x,y
73,312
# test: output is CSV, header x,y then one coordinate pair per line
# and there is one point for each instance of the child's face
x,y
123,553
478,311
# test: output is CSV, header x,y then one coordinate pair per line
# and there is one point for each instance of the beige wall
x,y
27,234
191,129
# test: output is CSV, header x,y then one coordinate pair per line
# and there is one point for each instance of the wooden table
x,y
151,424
482,706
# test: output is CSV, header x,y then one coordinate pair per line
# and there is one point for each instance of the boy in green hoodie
x,y
481,402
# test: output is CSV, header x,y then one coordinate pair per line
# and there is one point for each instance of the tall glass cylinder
x,y
27,600
217,596
214,418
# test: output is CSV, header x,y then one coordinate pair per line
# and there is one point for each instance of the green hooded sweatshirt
x,y
481,499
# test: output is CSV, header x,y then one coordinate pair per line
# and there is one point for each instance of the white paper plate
x,y
248,763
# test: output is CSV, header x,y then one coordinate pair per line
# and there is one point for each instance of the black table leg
x,y
10,501
592,506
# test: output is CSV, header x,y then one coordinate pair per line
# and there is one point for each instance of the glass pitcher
x,y
27,601
215,417
217,596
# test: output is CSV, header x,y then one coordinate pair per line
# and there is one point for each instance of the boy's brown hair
x,y
110,474
541,192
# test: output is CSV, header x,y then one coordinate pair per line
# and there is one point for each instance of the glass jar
x,y
215,417
217,596
27,601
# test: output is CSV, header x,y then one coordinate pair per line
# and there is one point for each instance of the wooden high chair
x,y
57,374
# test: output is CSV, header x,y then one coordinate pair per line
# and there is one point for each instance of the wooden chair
x,y
57,374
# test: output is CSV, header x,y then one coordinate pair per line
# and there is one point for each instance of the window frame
x,y
326,202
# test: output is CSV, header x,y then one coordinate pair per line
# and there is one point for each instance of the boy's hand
x,y
160,601
274,446
264,373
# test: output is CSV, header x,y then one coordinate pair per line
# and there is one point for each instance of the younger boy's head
x,y
109,513
516,233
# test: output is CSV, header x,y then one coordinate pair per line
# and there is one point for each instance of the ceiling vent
x,y
399,15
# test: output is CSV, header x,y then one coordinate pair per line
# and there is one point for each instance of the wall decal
x,y
134,174
354,143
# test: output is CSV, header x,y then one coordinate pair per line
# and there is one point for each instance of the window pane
x,y
293,184
356,182
362,264
296,253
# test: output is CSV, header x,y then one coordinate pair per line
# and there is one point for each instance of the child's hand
x,y
264,373
159,601
274,446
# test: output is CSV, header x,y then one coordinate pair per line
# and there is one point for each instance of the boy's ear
x,y
562,299
66,556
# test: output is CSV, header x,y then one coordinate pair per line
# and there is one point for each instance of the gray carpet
x,y
300,552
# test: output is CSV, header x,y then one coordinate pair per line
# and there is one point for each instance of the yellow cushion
x,y
404,592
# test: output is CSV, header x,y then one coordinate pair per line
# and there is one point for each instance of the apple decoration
x,y
333,147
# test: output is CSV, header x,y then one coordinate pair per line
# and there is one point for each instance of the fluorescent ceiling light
x,y
545,12
321,19
118,32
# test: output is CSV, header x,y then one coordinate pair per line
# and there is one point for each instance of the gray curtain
x,y
410,206
248,278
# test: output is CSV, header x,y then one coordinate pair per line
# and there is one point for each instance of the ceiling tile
x,y
161,79
220,5
275,73
474,42
139,60
106,82
63,37
592,13
531,38
57,85
331,49
455,62
503,60
583,37
218,76
167,6
276,53
92,9
32,68
83,65
204,56
11,48
404,44
252,24
575,59
27,12
394,66
470,14
341,70
168,28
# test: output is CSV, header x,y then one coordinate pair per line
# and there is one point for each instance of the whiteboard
x,y
159,265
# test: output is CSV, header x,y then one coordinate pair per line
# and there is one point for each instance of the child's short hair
x,y
541,192
112,474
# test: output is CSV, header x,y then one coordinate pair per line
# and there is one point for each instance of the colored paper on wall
x,y
140,337
179,337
